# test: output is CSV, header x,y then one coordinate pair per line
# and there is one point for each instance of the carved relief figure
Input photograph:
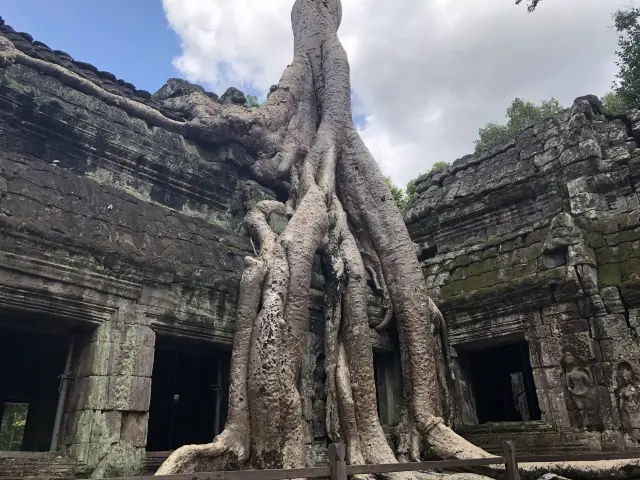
x,y
628,395
583,396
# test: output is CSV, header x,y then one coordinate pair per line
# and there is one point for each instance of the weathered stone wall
x,y
538,240
120,227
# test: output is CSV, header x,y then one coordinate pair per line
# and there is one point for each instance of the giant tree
x,y
338,205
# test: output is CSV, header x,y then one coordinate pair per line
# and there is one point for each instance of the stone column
x,y
108,408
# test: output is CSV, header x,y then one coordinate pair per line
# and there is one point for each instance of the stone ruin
x,y
122,248
533,252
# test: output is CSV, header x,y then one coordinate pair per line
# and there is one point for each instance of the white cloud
x,y
427,73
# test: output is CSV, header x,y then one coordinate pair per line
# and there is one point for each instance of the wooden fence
x,y
339,470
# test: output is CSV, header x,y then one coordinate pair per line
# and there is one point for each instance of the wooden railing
x,y
339,470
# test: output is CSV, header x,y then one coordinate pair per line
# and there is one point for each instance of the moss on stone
x,y
609,255
460,261
630,269
459,274
12,84
523,270
476,268
537,236
609,275
630,235
452,289
595,239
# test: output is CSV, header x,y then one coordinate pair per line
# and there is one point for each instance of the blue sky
x,y
129,38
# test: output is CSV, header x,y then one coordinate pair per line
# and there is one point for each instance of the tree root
x,y
228,451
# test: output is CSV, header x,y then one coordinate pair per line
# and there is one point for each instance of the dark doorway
x,y
388,379
30,369
189,395
381,394
502,383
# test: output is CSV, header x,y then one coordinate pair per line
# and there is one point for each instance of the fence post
x,y
509,452
337,454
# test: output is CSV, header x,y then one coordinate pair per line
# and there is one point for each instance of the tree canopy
x,y
399,196
531,4
252,101
627,85
613,102
402,198
520,114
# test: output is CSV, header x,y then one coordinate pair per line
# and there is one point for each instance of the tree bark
x,y
339,205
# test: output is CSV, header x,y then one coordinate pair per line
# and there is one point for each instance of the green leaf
x,y
627,85
252,101
397,194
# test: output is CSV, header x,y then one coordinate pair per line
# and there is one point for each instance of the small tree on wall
x,y
520,114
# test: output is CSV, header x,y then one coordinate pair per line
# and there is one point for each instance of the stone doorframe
x,y
104,425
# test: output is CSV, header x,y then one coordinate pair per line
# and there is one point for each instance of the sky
x,y
426,74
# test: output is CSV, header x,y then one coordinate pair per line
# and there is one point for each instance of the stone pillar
x,y
105,426
465,404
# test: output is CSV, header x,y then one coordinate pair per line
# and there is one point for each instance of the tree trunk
x,y
339,205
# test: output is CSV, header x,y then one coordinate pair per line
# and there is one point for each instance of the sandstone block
x,y
612,300
106,427
114,332
613,326
88,393
609,275
554,377
134,428
129,393
131,360
93,359
89,454
121,460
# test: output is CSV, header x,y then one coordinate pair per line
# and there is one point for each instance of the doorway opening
x,y
189,396
502,383
388,380
30,368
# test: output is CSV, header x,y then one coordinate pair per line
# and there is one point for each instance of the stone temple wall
x,y
120,233
538,242
119,229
